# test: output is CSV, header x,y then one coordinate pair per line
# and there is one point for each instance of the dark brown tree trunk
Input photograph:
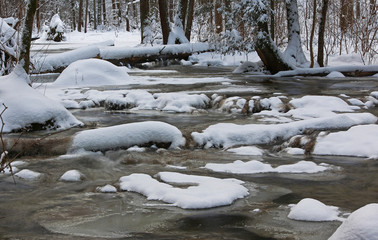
x,y
144,12
183,10
86,16
322,24
163,10
312,34
189,20
73,15
27,31
104,21
272,19
346,15
80,21
218,17
38,16
171,11
127,16
228,15
94,15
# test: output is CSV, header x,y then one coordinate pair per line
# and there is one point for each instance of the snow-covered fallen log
x,y
350,71
135,55
58,62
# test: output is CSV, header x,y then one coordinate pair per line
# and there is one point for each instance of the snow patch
x,y
28,174
72,176
309,209
247,150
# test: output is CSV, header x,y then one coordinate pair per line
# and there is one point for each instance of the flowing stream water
x,y
50,209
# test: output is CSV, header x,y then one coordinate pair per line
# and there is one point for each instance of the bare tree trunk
x,y
80,22
38,16
163,10
73,15
312,34
272,19
86,16
127,16
218,17
322,24
189,21
144,12
183,10
94,15
228,15
24,58
105,21
171,10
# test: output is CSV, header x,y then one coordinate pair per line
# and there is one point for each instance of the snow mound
x,y
107,189
204,192
309,209
28,107
72,176
294,151
318,106
179,102
225,135
361,224
240,167
247,150
92,72
28,174
128,135
360,141
335,74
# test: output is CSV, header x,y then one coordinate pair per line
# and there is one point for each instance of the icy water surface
x,y
51,209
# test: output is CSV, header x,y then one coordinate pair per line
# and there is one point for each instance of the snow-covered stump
x,y
128,135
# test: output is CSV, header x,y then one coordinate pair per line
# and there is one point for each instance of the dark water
x,y
50,209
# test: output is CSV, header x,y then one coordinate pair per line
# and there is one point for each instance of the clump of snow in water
x,y
205,192
251,68
92,72
309,209
128,135
361,141
335,74
247,150
361,224
240,167
294,151
225,135
28,174
356,102
136,149
33,107
72,176
318,106
107,189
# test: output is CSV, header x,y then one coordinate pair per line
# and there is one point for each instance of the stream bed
x,y
48,208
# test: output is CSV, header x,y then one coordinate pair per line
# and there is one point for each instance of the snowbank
x,y
240,167
309,209
26,106
128,135
205,192
228,134
92,72
361,224
361,141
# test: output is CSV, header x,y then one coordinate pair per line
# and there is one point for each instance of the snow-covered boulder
x,y
204,192
361,224
27,108
247,150
92,72
128,135
107,189
56,29
28,174
335,74
72,176
360,141
309,209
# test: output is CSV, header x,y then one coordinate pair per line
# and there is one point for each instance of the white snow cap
x,y
72,176
33,107
309,209
28,174
247,150
361,224
205,192
107,189
92,72
128,135
360,141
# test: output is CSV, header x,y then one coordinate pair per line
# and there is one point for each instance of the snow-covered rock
x,y
72,176
240,167
28,107
309,209
92,72
360,141
28,174
128,135
247,150
361,224
107,189
204,192
335,74
225,135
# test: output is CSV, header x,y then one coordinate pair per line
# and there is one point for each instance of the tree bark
x,y
322,24
38,16
312,34
27,31
73,15
104,21
144,12
218,17
228,15
94,15
163,10
272,19
189,20
80,21
182,11
86,16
